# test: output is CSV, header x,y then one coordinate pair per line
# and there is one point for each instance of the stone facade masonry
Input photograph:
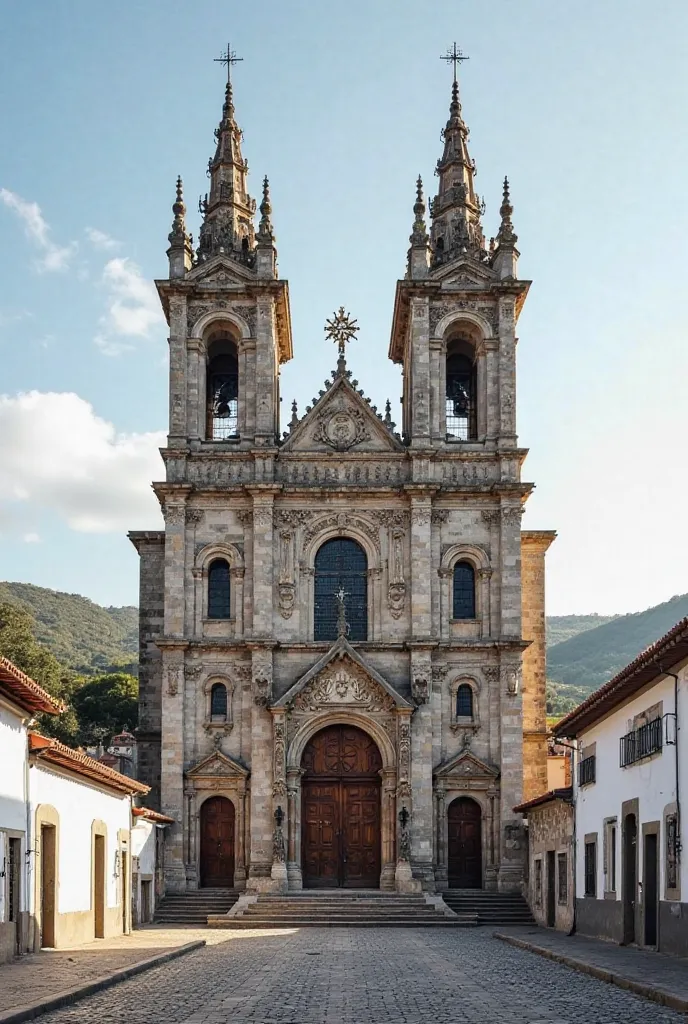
x,y
416,504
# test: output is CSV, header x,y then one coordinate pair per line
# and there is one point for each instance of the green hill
x,y
563,627
82,635
590,658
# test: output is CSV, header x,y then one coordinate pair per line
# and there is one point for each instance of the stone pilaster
x,y
280,803
177,382
420,373
507,373
260,873
421,767
172,763
421,566
534,544
263,557
266,372
174,512
510,590
512,836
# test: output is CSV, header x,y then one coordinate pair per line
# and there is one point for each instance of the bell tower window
x,y
222,390
463,597
461,397
219,606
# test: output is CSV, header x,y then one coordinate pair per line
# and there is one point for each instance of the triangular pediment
x,y
219,272
466,765
217,765
464,273
342,678
341,420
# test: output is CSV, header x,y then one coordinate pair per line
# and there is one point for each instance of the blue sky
x,y
582,105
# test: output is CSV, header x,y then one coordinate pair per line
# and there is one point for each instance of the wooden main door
x,y
341,810
217,843
465,853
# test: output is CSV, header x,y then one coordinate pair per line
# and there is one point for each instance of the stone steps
x,y
194,906
341,910
489,907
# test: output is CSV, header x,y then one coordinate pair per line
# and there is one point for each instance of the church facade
x,y
342,626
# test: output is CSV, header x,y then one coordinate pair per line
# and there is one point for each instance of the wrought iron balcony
x,y
640,743
586,770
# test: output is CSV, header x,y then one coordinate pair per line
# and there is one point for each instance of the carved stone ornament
x,y
279,852
420,690
247,313
174,515
262,689
194,515
262,516
287,598
491,515
404,844
343,522
404,761
438,310
440,515
391,516
512,515
396,599
279,765
511,680
338,686
490,673
245,516
341,427
175,679
420,516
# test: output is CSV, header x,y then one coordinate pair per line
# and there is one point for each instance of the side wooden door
x,y
321,834
465,853
361,835
217,843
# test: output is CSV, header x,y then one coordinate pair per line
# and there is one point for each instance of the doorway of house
x,y
650,888
15,891
464,844
48,884
99,886
341,822
217,843
551,892
630,877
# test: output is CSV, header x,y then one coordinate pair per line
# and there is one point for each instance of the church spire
x,y
505,257
419,253
228,209
456,209
179,252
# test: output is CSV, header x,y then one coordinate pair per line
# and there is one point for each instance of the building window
x,y
609,855
463,605
218,590
461,394
464,701
218,702
586,770
538,880
641,742
341,565
562,877
591,869
222,390
672,852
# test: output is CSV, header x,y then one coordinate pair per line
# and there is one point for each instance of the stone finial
x,y
419,234
179,252
265,232
506,235
294,415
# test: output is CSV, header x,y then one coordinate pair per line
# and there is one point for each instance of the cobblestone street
x,y
363,976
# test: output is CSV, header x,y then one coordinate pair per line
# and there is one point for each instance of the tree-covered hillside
x,y
594,656
82,635
563,627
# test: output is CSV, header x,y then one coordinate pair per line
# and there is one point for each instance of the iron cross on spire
x,y
228,58
455,57
341,328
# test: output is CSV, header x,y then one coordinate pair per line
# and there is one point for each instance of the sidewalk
x,y
38,982
659,977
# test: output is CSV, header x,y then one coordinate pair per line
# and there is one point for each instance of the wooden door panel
x,y
464,844
217,842
361,820
321,834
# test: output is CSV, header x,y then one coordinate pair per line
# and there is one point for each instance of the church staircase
x,y
342,909
489,907
194,907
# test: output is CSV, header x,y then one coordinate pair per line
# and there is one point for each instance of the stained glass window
x,y
464,591
341,564
218,590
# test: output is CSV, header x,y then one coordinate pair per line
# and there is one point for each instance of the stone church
x,y
342,625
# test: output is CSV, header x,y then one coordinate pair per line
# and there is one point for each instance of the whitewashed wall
x,y
13,756
650,781
78,805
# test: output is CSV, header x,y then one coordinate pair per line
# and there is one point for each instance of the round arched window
x,y
341,565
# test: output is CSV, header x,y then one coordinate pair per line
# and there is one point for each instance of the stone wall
x,y
550,830
534,544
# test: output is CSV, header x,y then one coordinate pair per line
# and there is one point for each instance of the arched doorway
x,y
464,846
341,810
217,843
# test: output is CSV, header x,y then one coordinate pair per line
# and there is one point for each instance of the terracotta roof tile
x,y
21,689
43,748
151,815
565,793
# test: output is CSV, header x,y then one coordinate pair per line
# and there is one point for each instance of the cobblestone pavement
x,y
363,976
31,978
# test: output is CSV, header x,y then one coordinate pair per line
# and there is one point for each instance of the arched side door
x,y
217,843
464,844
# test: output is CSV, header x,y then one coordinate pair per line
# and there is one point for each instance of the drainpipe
x,y
574,748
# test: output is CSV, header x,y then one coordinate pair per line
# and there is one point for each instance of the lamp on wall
x,y
404,817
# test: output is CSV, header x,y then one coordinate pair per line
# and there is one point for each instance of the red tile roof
x,y
24,692
150,815
45,749
668,651
565,793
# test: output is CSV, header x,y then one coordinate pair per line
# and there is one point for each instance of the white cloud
x,y
55,257
58,455
133,306
101,240
31,538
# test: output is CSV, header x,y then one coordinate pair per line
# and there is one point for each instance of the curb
x,y
639,988
73,995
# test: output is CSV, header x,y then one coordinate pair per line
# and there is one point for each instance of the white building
x,y
148,862
631,881
65,832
